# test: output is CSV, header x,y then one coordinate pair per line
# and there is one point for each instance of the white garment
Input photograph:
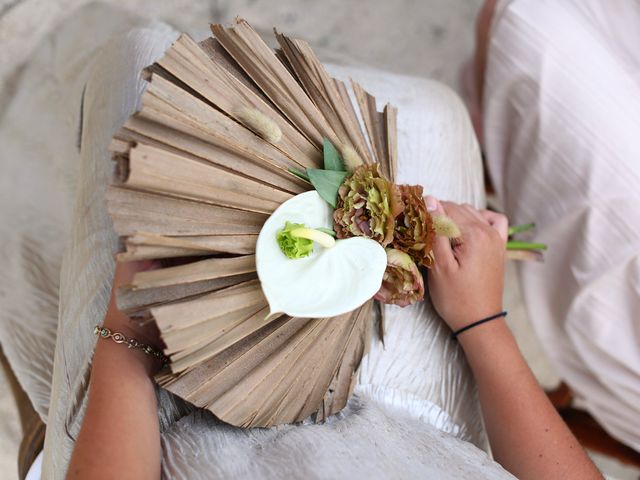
x,y
562,137
409,392
35,471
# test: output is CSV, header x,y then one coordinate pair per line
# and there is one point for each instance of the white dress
x,y
415,412
562,138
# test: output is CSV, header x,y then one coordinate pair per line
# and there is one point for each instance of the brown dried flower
x,y
414,231
402,283
367,206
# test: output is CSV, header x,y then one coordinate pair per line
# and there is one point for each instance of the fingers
x,y
474,212
442,250
461,214
126,271
498,221
470,220
465,213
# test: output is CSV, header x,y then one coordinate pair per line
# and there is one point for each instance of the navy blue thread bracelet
x,y
454,335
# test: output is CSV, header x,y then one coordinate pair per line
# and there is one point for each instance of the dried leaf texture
x,y
195,180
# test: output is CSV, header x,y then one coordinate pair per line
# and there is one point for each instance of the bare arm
x,y
120,434
526,434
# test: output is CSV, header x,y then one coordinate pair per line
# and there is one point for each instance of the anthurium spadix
x,y
331,280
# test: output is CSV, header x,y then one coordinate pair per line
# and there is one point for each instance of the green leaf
x,y
300,174
332,160
328,231
326,183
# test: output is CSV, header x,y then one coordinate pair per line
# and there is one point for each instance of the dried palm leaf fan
x,y
196,178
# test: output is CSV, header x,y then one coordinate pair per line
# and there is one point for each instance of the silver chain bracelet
x,y
104,332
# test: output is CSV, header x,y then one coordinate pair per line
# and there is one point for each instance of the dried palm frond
x,y
199,169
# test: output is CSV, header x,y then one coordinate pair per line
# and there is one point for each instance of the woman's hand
x,y
118,321
466,281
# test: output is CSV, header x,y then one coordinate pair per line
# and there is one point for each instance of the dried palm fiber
x,y
198,171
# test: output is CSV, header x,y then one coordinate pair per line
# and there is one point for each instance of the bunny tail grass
x,y
260,124
446,227
351,158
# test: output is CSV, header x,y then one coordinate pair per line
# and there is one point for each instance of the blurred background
x,y
425,38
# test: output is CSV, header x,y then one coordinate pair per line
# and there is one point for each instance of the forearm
x,y
526,434
120,436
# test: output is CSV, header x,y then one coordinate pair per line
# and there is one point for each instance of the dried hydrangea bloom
x,y
414,232
402,283
367,206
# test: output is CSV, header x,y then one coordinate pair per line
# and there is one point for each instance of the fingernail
x,y
432,203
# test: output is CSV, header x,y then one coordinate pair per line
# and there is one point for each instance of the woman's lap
x,y
436,148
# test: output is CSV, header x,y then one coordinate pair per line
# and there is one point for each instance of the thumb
x,y
442,251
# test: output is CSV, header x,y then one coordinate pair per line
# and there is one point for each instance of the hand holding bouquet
x,y
367,206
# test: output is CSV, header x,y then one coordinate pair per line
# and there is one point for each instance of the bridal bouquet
x,y
272,195
384,235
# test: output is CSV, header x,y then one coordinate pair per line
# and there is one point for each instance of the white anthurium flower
x,y
330,281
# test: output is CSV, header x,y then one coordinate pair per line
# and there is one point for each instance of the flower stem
x,y
516,245
521,228
525,255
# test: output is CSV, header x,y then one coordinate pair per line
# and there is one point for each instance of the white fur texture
x,y
366,441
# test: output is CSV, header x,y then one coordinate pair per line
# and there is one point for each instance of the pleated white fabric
x,y
416,412
562,138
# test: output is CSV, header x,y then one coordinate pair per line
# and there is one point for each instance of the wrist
x,y
123,349
485,331
457,321
487,338
147,334
478,323
114,358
